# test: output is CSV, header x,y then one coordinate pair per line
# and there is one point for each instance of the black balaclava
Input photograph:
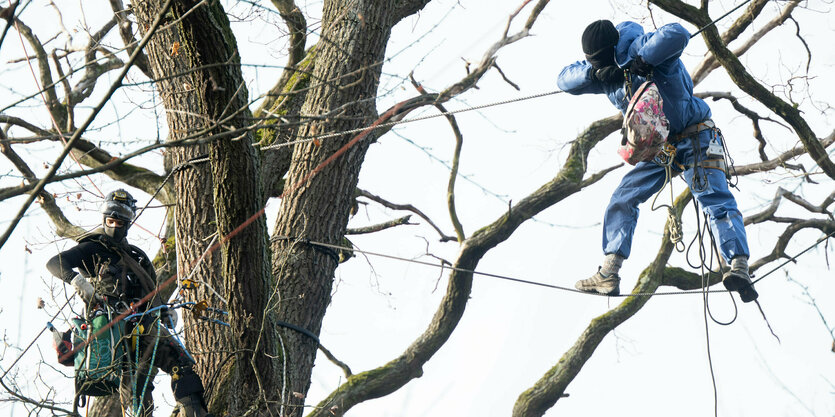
x,y
118,205
599,40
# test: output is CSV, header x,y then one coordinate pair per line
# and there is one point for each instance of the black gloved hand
x,y
640,67
610,74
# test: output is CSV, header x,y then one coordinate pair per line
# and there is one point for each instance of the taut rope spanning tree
x,y
446,265
443,266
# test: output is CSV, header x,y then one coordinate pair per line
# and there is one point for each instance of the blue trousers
x,y
710,190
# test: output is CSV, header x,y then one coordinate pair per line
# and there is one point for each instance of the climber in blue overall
x,y
612,54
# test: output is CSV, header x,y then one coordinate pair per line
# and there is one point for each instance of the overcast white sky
x,y
511,334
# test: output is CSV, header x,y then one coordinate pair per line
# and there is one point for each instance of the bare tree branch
x,y
550,388
126,32
755,118
743,21
709,63
775,204
49,405
781,159
345,368
52,103
8,14
687,280
378,227
64,227
489,57
92,68
803,41
12,120
747,83
407,207
406,8
297,26
65,83
39,187
453,172
95,157
133,175
389,377
779,251
199,137
814,303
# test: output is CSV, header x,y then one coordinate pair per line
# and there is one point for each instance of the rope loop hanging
x,y
666,158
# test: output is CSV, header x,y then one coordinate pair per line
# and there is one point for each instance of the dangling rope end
x,y
767,323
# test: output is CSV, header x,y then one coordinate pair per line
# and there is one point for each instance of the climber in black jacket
x,y
111,271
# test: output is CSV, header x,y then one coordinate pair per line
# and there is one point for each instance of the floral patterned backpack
x,y
645,127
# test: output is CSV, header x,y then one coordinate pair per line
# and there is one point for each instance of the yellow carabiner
x,y
669,150
134,340
188,284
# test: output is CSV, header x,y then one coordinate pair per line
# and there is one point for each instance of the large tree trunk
x,y
214,197
318,208
108,406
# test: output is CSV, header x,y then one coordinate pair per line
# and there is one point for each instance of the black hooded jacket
x,y
99,260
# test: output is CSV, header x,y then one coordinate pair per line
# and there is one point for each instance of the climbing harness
x,y
717,158
100,346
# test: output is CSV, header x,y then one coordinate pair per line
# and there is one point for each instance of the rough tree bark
x,y
319,208
193,96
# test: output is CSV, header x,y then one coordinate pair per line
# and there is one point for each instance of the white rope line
x,y
542,284
403,121
383,125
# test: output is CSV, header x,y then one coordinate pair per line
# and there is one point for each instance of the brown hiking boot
x,y
739,281
600,284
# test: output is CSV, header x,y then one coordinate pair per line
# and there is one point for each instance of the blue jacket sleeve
x,y
577,78
665,44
